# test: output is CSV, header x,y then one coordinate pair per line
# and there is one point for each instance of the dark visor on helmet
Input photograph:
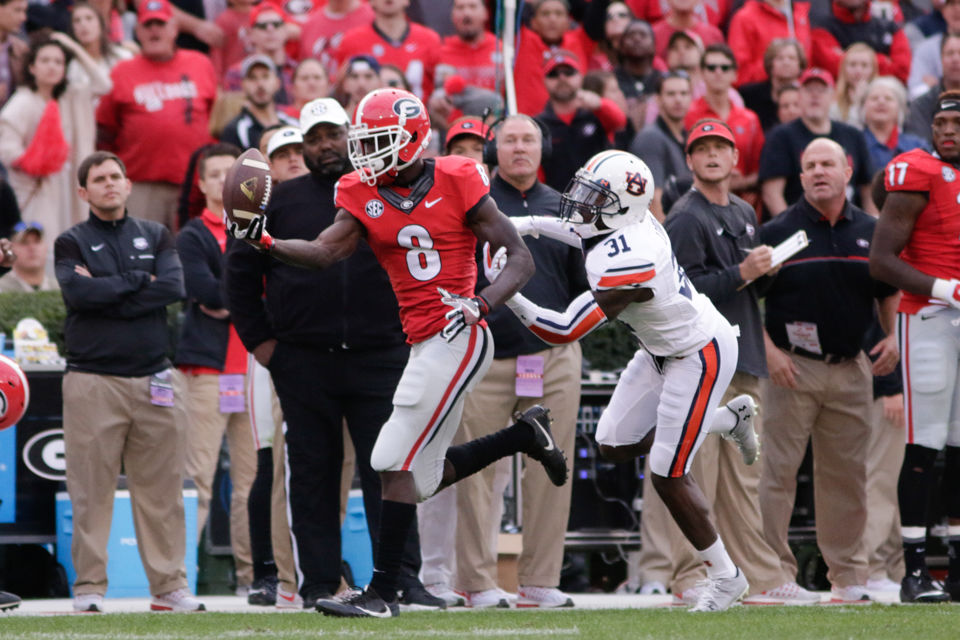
x,y
583,200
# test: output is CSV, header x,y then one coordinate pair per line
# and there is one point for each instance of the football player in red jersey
x,y
422,218
916,247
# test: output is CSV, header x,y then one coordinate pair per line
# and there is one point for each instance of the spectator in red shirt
x,y
234,21
392,39
471,52
719,68
757,24
268,36
682,16
325,27
851,21
157,113
714,12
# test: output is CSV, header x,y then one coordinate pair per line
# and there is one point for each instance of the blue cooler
x,y
125,575
355,540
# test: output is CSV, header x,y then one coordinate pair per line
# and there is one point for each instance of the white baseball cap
x,y
322,110
282,138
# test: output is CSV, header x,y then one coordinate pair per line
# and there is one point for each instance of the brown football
x,y
247,187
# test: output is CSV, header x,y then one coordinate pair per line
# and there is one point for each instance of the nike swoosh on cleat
x,y
547,435
97,247
287,598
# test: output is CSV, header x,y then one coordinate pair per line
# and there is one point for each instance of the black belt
x,y
829,358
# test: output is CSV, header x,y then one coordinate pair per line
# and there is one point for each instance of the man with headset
x,y
525,371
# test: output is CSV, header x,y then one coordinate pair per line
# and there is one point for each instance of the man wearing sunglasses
x,y
580,123
268,34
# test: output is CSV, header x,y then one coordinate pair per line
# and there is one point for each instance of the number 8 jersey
x,y
678,320
420,236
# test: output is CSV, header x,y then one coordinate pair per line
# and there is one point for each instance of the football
x,y
246,189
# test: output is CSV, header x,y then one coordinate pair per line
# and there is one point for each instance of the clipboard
x,y
785,250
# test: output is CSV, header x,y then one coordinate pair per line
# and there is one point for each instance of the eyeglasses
x,y
23,226
718,67
614,15
566,72
263,26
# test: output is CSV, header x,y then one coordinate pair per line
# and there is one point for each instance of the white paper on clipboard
x,y
786,250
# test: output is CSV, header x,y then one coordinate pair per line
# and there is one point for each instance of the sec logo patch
x,y
373,208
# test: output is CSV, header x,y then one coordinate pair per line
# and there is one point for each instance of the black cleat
x,y
417,598
952,587
358,604
263,592
920,587
314,595
544,450
8,601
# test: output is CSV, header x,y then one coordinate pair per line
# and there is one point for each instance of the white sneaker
x,y
743,433
88,602
690,596
789,593
288,600
854,593
176,600
445,593
652,588
721,593
884,585
490,598
544,597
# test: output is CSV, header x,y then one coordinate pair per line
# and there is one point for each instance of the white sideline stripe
x,y
353,633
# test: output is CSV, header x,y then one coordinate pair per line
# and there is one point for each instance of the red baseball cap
x,y
264,7
710,128
154,10
561,57
815,73
468,126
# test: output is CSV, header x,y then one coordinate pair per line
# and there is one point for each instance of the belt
x,y
829,358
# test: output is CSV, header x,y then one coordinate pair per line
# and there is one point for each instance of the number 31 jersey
x,y
678,320
420,236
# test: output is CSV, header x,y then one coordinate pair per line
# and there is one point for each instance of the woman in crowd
x,y
310,82
783,61
884,108
89,30
857,69
47,128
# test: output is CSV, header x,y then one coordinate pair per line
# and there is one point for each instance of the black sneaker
x,y
545,450
313,596
417,598
920,587
8,601
263,592
952,587
358,604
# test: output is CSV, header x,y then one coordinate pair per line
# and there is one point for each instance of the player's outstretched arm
x,y
548,226
491,225
336,242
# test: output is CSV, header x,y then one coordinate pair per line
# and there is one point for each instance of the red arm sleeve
x,y
898,62
749,62
827,53
611,116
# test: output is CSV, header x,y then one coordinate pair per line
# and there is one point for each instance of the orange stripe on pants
x,y
695,423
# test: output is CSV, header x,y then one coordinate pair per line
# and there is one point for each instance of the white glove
x,y
948,291
255,233
525,225
466,312
493,265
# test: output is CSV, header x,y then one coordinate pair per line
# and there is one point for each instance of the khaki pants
x,y
108,421
884,546
546,508
831,408
205,427
732,490
156,201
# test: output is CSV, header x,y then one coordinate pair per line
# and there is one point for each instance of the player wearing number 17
x,y
916,247
668,398
422,219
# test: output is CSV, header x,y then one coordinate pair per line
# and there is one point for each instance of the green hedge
x,y
609,348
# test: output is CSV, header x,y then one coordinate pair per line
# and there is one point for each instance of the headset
x,y
490,140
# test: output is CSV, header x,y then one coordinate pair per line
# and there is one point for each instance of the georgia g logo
x,y
636,183
407,107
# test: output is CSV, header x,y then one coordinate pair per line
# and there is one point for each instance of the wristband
x,y
266,242
948,290
482,305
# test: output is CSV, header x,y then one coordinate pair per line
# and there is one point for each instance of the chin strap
x,y
582,316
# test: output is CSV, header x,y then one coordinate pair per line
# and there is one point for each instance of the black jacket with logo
x,y
117,319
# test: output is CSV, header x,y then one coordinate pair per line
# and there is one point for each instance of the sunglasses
x,y
718,67
263,26
566,72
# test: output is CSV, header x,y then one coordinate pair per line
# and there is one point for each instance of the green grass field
x,y
767,623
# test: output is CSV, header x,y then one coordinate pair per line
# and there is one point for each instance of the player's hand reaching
x,y
254,233
493,265
466,312
948,291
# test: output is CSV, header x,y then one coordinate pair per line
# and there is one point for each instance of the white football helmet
x,y
611,191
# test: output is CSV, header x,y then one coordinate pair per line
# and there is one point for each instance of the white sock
x,y
723,420
717,560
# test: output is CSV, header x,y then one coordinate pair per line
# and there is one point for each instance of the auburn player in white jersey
x,y
667,399
916,247
422,219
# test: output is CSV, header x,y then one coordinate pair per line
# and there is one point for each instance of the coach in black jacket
x,y
335,350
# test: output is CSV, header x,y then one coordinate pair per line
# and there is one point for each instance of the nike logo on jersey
x,y
97,247
430,203
720,231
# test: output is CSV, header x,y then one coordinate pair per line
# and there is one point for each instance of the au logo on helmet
x,y
636,183
407,107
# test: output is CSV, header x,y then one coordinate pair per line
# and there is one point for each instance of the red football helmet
x,y
14,392
391,129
